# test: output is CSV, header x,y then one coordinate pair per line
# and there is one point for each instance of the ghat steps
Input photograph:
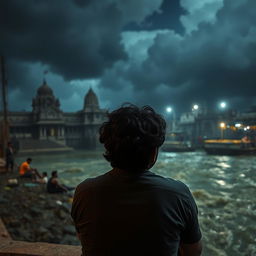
x,y
31,146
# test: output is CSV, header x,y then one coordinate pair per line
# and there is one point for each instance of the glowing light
x,y
195,107
238,125
169,109
222,125
223,104
248,127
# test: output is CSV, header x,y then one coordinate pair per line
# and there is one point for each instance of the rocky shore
x,y
31,214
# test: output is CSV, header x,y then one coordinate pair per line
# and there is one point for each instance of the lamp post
x,y
195,110
222,127
170,110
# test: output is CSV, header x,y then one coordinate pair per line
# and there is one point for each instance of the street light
x,y
223,105
222,127
195,107
170,110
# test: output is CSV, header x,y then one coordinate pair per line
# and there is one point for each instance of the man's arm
x,y
56,182
191,237
194,249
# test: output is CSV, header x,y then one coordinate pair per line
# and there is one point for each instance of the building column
x,y
40,132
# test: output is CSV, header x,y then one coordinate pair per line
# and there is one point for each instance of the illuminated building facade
x,y
48,123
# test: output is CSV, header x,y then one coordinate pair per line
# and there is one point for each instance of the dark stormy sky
x,y
156,52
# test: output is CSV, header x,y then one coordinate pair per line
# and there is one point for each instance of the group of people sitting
x,y
52,184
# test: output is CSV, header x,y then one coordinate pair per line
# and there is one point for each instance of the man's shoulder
x,y
92,183
54,180
167,184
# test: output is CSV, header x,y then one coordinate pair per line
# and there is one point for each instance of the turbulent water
x,y
224,188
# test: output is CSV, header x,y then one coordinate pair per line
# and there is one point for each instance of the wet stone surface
x,y
31,214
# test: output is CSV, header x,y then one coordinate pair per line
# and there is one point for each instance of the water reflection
x,y
223,187
224,165
221,182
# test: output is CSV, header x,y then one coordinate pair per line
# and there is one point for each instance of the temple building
x,y
48,125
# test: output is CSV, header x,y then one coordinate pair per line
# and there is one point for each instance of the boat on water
x,y
176,146
228,147
176,142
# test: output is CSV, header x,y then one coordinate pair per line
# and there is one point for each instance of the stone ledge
x,y
20,248
9,247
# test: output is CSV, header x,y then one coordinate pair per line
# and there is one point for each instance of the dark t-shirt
x,y
120,213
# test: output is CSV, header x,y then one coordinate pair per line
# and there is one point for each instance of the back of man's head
x,y
54,173
29,160
131,135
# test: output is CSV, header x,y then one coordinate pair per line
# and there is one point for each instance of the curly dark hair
x,y
131,135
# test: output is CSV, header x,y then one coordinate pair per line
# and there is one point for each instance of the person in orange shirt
x,y
26,171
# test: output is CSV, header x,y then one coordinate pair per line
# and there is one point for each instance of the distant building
x,y
47,122
226,124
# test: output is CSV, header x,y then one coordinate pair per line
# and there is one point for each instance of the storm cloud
x,y
75,39
90,43
212,61
72,39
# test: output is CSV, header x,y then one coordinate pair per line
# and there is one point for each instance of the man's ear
x,y
153,157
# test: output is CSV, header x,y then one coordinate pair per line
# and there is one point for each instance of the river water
x,y
223,186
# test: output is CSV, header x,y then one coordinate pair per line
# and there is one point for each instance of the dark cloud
x,y
72,40
215,61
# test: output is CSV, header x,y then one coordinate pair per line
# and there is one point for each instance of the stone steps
x,y
32,146
39,144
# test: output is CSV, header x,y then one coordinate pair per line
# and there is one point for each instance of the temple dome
x,y
44,90
91,100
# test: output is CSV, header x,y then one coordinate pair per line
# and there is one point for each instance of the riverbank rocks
x,y
31,214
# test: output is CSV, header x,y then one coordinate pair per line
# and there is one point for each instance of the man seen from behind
x,y
130,210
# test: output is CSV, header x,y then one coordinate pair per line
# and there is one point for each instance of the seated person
x,y
44,178
53,185
26,171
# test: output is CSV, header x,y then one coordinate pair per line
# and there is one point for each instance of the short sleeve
x,y
79,206
191,233
74,209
